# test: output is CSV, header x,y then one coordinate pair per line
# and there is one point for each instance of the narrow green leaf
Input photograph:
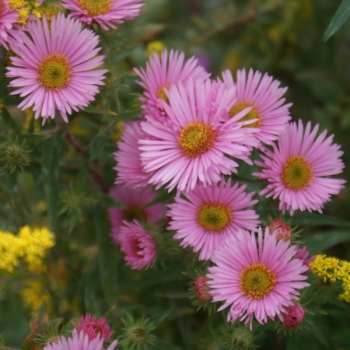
x,y
158,318
338,19
107,257
96,110
49,170
89,288
98,144
6,117
316,219
322,241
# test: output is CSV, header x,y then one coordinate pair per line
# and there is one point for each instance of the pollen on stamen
x,y
297,173
253,114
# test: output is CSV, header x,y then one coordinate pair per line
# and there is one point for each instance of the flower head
x,y
94,328
269,114
283,230
55,67
104,12
197,146
138,245
207,216
78,341
134,199
8,18
293,316
257,278
298,168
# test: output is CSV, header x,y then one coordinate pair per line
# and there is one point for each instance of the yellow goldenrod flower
x,y
155,46
10,251
34,296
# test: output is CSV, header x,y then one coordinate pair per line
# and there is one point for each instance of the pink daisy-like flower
x,y
303,255
138,245
8,18
298,168
104,12
293,317
79,341
161,73
129,169
55,68
209,215
197,146
256,278
94,329
133,199
264,95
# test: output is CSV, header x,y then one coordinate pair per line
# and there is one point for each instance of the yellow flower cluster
x,y
24,9
333,269
30,244
35,295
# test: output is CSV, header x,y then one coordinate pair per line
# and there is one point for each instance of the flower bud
x,y
201,289
283,230
293,317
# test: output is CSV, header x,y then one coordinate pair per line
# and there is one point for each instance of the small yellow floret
x,y
155,46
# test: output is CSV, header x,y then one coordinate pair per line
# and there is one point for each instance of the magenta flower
x,y
8,18
56,68
257,278
104,12
298,168
209,215
94,329
264,95
133,199
79,341
138,246
303,255
293,316
197,146
161,73
129,168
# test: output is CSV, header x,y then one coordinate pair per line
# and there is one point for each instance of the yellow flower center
x,y
214,217
257,281
134,212
196,139
253,114
54,72
95,7
162,95
297,173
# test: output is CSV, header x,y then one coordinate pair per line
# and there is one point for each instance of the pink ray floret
x,y
214,148
74,46
185,211
244,251
79,341
138,246
106,14
8,18
94,328
323,159
263,93
133,199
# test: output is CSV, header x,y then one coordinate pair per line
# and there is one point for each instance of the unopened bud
x,y
282,229
15,156
293,317
139,334
201,289
242,338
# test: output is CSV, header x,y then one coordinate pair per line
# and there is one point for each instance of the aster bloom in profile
x,y
298,168
256,278
104,12
8,18
55,68
196,146
79,341
207,216
293,317
133,199
161,73
269,112
94,328
129,168
138,245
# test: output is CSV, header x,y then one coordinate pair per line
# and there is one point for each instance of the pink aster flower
x,y
161,73
209,215
94,329
298,168
104,12
264,95
79,341
303,255
293,317
138,245
197,146
8,18
257,278
129,168
56,68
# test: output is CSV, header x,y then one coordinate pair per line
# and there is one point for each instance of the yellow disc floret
x,y
257,281
54,72
297,173
214,217
253,114
196,139
95,7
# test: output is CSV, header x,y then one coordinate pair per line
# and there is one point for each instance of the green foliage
x,y
338,20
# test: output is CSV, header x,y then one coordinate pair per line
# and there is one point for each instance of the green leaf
x,y
316,219
107,258
322,241
96,110
98,144
49,170
90,286
158,318
6,117
338,19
